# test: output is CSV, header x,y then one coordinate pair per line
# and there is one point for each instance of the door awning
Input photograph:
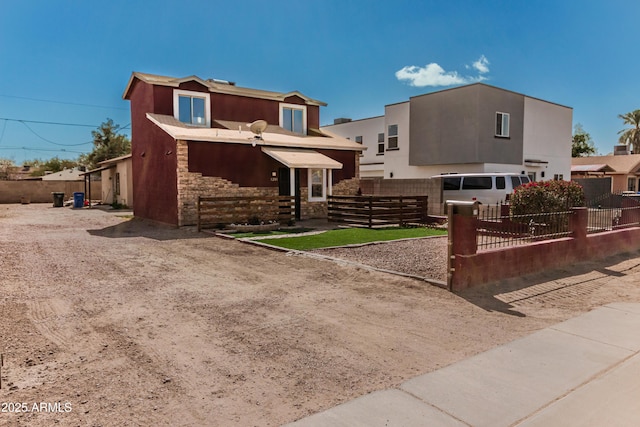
x,y
301,159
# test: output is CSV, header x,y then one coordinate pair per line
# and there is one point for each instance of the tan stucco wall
x,y
40,191
126,184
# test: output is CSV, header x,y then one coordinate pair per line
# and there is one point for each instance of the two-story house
x,y
467,129
191,137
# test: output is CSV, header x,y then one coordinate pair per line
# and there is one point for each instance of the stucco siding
x,y
547,137
458,126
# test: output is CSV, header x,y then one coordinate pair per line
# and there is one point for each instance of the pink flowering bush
x,y
546,196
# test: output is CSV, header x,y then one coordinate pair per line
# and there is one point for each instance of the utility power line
x,y
64,103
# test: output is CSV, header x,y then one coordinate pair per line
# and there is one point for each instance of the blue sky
x,y
355,55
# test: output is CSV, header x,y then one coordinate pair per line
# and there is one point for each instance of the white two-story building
x,y
467,129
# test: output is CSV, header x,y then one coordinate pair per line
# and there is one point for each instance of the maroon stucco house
x,y
191,137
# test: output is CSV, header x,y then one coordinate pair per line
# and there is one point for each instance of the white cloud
x,y
434,75
482,65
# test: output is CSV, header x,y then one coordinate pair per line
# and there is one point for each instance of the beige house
x,y
117,180
623,169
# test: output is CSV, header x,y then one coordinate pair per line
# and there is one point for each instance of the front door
x,y
284,187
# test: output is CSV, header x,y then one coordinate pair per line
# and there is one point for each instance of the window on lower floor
x,y
317,188
631,184
117,190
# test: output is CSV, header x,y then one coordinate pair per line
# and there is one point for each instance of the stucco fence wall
x,y
431,187
472,268
40,191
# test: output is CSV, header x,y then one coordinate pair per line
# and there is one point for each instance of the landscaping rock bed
x,y
425,257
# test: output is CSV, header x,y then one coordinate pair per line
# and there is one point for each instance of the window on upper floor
x,y
293,117
359,139
502,124
381,143
392,141
193,108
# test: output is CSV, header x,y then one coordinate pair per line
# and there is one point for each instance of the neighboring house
x,y
191,137
117,180
624,170
74,174
467,129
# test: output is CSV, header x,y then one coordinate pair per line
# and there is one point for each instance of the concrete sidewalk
x,y
582,372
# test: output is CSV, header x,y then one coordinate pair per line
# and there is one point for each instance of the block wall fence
x,y
468,267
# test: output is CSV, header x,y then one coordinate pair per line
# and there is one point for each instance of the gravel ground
x,y
135,324
425,257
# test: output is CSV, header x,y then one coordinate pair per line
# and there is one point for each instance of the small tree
x,y
581,143
5,166
108,143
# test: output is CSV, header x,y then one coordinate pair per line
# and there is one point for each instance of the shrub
x,y
546,196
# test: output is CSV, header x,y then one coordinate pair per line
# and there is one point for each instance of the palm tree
x,y
631,136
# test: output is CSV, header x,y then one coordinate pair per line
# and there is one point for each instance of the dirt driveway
x,y
115,322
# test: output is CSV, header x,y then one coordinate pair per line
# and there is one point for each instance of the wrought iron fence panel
x,y
498,228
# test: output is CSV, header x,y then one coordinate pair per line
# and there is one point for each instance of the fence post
x,y
370,211
462,236
425,208
401,221
578,223
198,215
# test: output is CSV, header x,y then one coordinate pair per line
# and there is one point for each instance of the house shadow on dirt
x,y
136,227
507,295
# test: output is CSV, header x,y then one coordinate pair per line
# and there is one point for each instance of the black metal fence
x,y
498,228
613,211
378,211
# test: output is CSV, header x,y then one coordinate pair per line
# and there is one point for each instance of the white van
x,y
486,188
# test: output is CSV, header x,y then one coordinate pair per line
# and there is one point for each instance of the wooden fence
x,y
377,211
218,211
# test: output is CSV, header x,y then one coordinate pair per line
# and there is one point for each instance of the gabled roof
x,y
115,159
623,164
592,168
215,86
274,136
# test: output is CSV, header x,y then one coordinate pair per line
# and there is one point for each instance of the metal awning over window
x,y
301,159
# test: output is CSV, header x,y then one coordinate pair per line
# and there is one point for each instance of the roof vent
x,y
621,150
341,120
222,82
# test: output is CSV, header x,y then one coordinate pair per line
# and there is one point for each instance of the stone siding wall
x,y
191,185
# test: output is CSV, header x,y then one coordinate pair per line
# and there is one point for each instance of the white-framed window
x,y
381,143
191,107
502,124
316,183
293,117
392,140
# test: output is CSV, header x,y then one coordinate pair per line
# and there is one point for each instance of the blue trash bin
x,y
78,200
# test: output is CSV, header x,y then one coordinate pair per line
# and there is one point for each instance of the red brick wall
x,y
492,265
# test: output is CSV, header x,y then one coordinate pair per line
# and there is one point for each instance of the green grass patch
x,y
351,236
270,233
